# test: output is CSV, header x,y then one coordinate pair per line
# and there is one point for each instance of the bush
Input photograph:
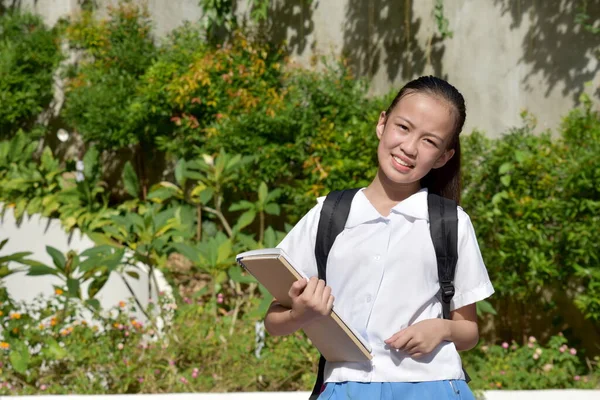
x,y
29,56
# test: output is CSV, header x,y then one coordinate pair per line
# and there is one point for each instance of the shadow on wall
x,y
383,34
556,45
294,15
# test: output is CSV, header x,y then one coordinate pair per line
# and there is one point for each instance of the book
x,y
331,335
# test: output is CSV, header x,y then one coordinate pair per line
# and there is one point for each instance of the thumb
x,y
297,288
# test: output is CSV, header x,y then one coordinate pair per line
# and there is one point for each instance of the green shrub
x,y
531,366
535,205
29,56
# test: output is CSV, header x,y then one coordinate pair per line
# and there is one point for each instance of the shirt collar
x,y
362,211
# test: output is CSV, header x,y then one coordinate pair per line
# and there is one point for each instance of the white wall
x,y
506,56
34,234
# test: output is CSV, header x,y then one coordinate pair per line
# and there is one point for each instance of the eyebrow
x,y
427,133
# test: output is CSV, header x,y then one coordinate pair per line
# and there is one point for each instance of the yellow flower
x,y
58,291
4,345
122,304
15,316
53,321
15,330
1,313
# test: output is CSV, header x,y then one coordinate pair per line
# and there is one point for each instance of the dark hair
x,y
444,181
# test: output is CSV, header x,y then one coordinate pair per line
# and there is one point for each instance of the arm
x,y
462,328
311,300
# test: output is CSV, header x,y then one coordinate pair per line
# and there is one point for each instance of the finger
x,y
326,294
401,342
395,336
330,303
319,290
417,355
309,291
297,288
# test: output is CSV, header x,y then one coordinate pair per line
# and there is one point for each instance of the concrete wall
x,y
34,233
506,55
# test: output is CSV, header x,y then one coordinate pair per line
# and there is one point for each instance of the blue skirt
x,y
435,390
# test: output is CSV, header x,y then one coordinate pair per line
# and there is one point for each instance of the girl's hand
x,y
421,338
311,299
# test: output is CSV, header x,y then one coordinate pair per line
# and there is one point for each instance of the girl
x,y
382,269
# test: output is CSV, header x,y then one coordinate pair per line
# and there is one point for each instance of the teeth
x,y
399,161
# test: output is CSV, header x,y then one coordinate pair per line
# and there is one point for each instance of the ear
x,y
381,125
444,158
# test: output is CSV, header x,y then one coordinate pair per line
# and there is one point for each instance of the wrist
x,y
446,330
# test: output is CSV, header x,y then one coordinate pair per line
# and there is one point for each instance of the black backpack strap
x,y
332,220
443,223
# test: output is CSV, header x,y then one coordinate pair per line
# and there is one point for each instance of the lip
x,y
404,160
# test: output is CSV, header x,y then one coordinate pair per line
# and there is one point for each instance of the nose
x,y
409,146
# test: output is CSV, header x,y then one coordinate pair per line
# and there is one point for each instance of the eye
x,y
403,127
431,142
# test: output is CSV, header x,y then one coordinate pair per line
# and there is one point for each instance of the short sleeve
x,y
471,280
299,243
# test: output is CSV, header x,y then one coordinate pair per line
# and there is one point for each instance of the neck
x,y
382,189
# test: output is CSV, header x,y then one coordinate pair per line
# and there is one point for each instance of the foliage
x,y
441,20
116,52
535,204
29,56
531,366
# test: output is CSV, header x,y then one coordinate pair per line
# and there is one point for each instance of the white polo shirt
x,y
383,274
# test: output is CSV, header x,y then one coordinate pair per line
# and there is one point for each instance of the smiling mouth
x,y
399,161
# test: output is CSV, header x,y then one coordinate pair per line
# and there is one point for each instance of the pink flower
x,y
530,345
140,380
505,345
502,372
156,371
576,377
532,339
573,351
171,363
536,356
220,298
183,380
194,374
187,300
43,387
126,334
562,348
120,346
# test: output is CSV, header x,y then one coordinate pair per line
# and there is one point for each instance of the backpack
x,y
443,223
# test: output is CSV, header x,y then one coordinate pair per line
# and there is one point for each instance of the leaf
x,y
505,180
180,169
244,220
96,285
58,258
272,209
520,156
163,193
206,195
189,252
94,303
54,351
224,252
504,168
14,257
130,180
97,250
269,237
5,271
90,162
263,191
39,270
236,274
242,205
3,243
133,274
73,288
484,307
19,357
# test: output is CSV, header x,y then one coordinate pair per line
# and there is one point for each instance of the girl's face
x,y
414,138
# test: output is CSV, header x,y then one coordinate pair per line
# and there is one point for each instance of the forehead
x,y
426,112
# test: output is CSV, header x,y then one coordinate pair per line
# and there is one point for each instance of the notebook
x,y
333,337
